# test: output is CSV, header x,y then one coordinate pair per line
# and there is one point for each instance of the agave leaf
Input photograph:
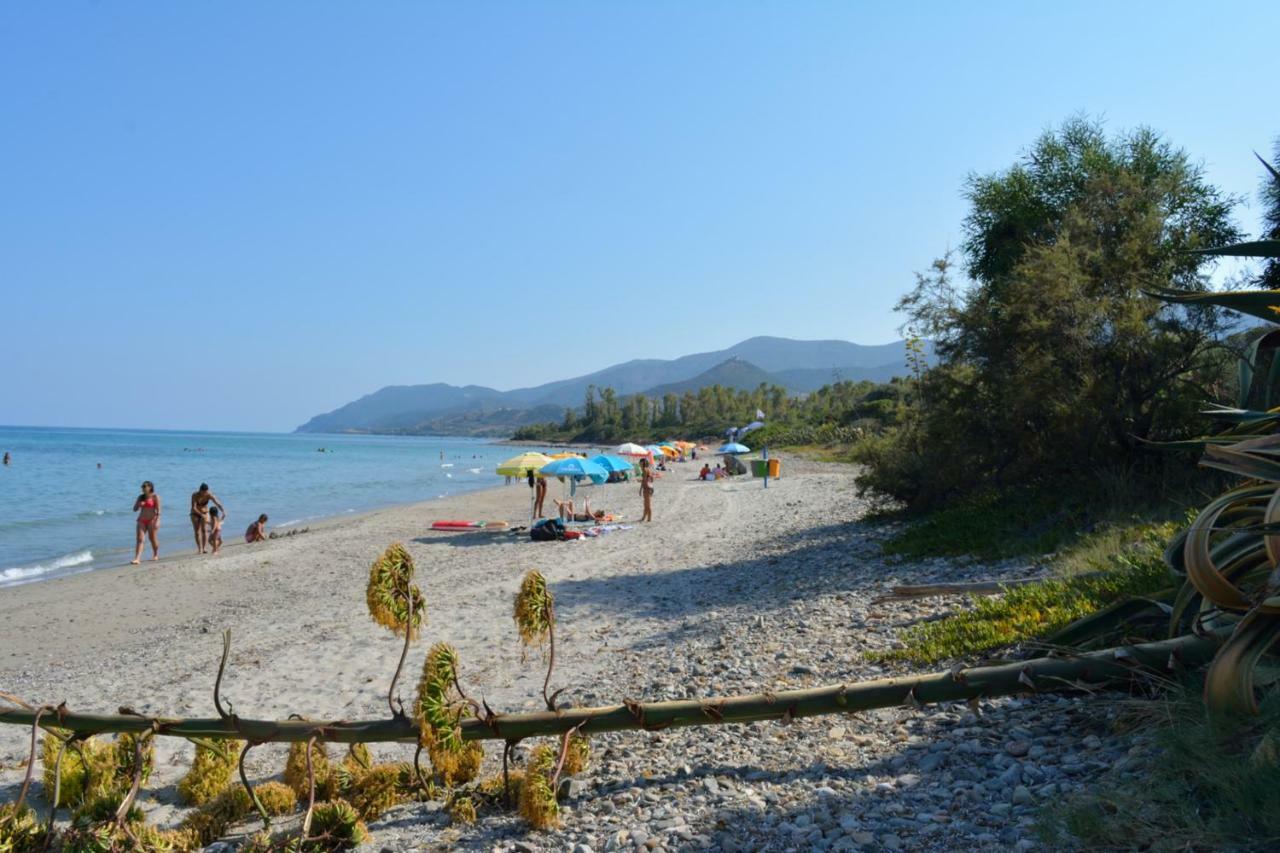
x,y
1107,622
1251,249
1201,569
1256,443
1248,364
1272,517
1241,416
1268,167
1198,443
1257,303
1228,685
1245,464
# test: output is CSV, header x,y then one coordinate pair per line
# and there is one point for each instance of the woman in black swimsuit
x,y
200,500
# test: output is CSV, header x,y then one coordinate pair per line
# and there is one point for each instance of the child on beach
x,y
257,531
215,528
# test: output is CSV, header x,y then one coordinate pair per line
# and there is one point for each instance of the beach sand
x,y
149,636
732,589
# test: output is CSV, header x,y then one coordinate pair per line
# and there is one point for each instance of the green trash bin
x,y
759,467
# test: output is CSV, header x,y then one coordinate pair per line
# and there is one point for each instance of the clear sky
x,y
237,215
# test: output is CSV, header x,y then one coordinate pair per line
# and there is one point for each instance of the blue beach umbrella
x,y
734,447
575,468
614,463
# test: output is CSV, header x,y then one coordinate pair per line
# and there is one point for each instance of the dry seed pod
x,y
210,773
19,829
338,821
376,790
393,601
537,800
276,798
462,810
534,611
88,768
577,755
438,710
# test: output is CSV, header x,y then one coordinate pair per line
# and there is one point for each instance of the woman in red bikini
x,y
147,506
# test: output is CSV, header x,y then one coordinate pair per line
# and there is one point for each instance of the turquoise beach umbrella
x,y
575,468
614,463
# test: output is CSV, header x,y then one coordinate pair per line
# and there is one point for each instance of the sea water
x,y
66,499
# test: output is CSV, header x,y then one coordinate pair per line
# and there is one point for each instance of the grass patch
x,y
1035,520
1099,575
1215,785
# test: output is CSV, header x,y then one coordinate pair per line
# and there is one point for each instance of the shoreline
x,y
301,525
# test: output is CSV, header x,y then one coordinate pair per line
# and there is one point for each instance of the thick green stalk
x,y
1048,674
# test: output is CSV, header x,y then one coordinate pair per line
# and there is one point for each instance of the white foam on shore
x,y
18,574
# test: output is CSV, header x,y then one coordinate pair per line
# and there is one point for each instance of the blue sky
x,y
235,215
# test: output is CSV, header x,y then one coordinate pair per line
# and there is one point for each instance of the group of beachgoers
x,y
717,473
567,511
207,517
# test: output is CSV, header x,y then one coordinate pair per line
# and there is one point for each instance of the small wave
x,y
446,464
66,561
474,470
25,523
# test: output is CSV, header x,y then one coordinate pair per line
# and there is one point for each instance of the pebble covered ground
x,y
803,614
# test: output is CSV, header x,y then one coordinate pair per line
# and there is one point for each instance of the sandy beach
x,y
732,589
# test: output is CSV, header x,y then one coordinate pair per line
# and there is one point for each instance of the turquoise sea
x,y
61,513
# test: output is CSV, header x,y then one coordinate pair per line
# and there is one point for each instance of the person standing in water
x,y
147,506
200,500
6,457
646,489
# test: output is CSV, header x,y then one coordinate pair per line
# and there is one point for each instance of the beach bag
x,y
547,530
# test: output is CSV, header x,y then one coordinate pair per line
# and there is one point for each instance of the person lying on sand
x,y
257,531
567,512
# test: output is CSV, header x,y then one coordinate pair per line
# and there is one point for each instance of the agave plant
x,y
1230,555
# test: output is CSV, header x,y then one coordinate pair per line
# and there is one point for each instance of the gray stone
x,y
1021,796
571,789
1017,748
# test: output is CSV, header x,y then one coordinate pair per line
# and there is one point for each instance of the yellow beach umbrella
x,y
564,455
668,450
519,466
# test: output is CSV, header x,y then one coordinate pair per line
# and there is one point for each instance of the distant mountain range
x,y
799,366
